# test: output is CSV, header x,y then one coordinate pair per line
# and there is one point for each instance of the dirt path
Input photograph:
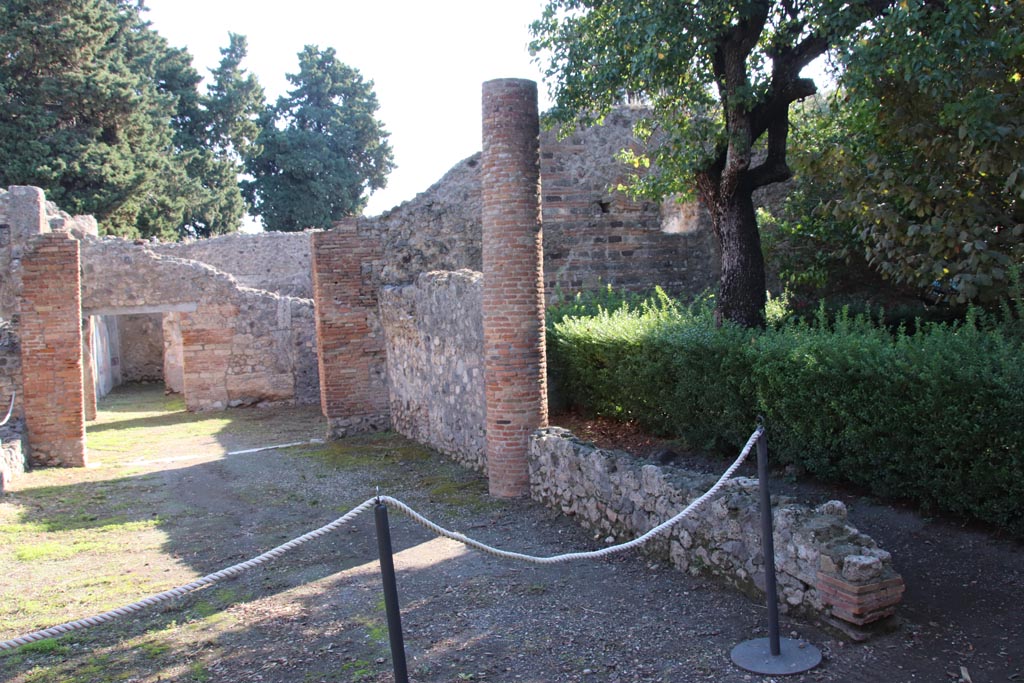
x,y
169,502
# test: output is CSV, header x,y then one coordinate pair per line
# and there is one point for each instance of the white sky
x,y
427,59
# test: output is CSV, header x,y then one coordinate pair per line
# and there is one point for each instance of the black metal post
x,y
768,545
772,655
387,574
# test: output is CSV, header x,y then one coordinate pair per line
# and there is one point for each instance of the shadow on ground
x,y
169,498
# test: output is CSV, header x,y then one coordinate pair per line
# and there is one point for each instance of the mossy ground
x,y
77,542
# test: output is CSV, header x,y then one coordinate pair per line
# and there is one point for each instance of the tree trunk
x,y
741,291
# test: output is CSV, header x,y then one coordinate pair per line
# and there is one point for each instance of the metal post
x,y
387,574
772,655
768,545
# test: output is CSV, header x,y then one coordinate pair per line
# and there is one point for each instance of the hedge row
x,y
936,416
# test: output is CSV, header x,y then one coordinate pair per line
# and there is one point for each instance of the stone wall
x,y
141,347
239,346
433,333
12,457
593,235
272,261
823,565
596,235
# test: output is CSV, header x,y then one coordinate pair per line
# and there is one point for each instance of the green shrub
x,y
932,416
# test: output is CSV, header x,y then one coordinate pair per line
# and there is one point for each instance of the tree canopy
x,y
719,76
930,161
79,117
322,149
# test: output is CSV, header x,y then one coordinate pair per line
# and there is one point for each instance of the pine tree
x,y
321,148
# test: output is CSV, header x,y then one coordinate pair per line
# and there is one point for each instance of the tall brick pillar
x,y
51,350
513,296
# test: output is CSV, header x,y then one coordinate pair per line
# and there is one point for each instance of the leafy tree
x,y
215,132
321,148
931,158
720,76
78,118
98,109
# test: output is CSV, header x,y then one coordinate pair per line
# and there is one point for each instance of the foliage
x,y
803,241
930,416
78,118
931,162
720,76
322,149
216,131
99,111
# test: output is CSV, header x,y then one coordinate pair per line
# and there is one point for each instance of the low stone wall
x,y
433,332
824,566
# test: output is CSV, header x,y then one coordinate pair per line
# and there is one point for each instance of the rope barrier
x,y
10,411
399,506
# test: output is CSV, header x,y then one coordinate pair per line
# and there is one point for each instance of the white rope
x,y
399,506
10,411
187,588
590,555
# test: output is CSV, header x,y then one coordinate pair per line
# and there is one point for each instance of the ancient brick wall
x,y
51,350
596,235
593,234
433,332
352,362
141,347
240,346
272,261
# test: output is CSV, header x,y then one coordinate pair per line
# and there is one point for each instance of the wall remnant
x,y
352,364
51,350
824,565
434,337
239,346
271,261
142,351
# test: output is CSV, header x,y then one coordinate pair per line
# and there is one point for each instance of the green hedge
x,y
935,417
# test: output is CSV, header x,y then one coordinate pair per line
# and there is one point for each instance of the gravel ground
x,y
317,614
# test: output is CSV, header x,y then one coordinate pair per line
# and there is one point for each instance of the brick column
x,y
51,351
513,296
350,342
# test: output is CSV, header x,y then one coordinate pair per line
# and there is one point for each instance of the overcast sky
x,y
427,60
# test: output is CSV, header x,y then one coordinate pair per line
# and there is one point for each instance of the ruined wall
x,y
141,347
823,565
593,235
240,346
272,261
105,351
12,457
352,363
174,357
596,235
433,333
